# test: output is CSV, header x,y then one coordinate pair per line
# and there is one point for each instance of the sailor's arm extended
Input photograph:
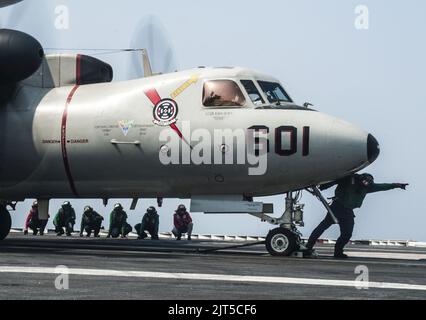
x,y
379,187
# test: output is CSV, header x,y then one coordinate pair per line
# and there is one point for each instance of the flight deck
x,y
203,269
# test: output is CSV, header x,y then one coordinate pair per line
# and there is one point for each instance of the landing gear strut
x,y
5,222
285,240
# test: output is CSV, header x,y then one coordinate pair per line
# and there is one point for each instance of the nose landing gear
x,y
285,240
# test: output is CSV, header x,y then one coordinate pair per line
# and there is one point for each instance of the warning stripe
x,y
153,96
64,140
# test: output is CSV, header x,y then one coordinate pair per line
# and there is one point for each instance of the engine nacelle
x,y
93,70
61,70
20,56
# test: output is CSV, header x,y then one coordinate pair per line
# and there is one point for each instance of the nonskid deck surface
x,y
168,269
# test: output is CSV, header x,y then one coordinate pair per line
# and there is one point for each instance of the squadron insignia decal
x,y
163,108
165,113
126,126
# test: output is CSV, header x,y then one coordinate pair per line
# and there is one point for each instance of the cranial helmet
x,y
118,206
151,210
366,177
88,209
35,204
66,204
181,208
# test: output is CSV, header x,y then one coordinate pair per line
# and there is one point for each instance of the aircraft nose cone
x,y
373,148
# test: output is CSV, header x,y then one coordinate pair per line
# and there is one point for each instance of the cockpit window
x,y
275,92
253,93
222,93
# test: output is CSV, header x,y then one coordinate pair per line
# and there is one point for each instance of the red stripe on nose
x,y
153,96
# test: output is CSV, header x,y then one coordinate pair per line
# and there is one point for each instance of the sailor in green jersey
x,y
350,194
150,222
91,221
118,223
65,218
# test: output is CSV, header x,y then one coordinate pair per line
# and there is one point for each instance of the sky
x,y
374,78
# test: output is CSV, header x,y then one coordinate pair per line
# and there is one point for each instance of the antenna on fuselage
x,y
147,69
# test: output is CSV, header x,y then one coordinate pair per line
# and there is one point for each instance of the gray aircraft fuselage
x,y
100,141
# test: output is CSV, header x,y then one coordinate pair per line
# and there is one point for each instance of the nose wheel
x,y
281,242
5,222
